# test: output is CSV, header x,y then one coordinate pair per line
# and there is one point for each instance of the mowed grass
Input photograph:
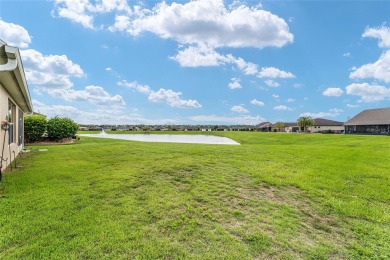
x,y
282,196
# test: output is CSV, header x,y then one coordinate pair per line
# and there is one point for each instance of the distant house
x,y
264,127
15,101
291,127
370,121
325,125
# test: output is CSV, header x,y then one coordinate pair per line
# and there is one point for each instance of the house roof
x,y
290,124
379,116
326,122
264,124
12,76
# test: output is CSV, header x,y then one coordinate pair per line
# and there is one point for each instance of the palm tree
x,y
279,125
305,121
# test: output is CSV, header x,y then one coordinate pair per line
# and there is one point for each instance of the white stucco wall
x,y
10,150
316,129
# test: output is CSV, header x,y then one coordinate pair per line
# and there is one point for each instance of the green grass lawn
x,y
283,196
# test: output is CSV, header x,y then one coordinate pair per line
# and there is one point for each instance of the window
x,y
11,118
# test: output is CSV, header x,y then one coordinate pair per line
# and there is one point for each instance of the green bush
x,y
34,128
59,128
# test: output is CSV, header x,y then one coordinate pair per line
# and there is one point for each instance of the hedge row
x,y
35,126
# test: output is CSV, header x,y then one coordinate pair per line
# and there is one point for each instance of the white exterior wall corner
x,y
13,87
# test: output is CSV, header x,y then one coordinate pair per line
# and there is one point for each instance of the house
x,y
15,102
370,121
264,127
290,127
325,125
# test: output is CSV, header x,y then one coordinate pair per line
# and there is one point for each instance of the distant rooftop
x,y
2,42
327,122
379,116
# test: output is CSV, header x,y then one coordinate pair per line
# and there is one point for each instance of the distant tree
x,y
305,121
279,125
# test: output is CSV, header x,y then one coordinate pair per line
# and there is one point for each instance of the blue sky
x,y
201,61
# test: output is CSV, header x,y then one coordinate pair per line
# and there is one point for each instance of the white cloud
x,y
333,92
369,93
172,98
235,84
272,84
205,56
108,69
93,94
51,71
239,109
210,22
199,56
248,68
169,96
14,35
240,120
347,55
99,116
352,106
275,96
381,33
84,11
272,72
332,113
281,107
379,70
196,22
290,100
257,102
145,89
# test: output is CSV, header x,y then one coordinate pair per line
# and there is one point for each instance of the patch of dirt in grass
x,y
290,218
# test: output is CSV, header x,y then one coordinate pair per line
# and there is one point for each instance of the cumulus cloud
x,y
145,89
235,84
199,56
84,11
333,92
195,22
99,116
239,109
290,100
93,94
379,70
168,96
369,93
271,83
331,113
257,102
380,33
206,56
239,120
281,107
347,55
14,35
272,72
352,106
172,98
209,22
49,71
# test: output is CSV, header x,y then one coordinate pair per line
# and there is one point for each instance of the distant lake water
x,y
167,138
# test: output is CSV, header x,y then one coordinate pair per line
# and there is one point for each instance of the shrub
x,y
59,128
34,127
